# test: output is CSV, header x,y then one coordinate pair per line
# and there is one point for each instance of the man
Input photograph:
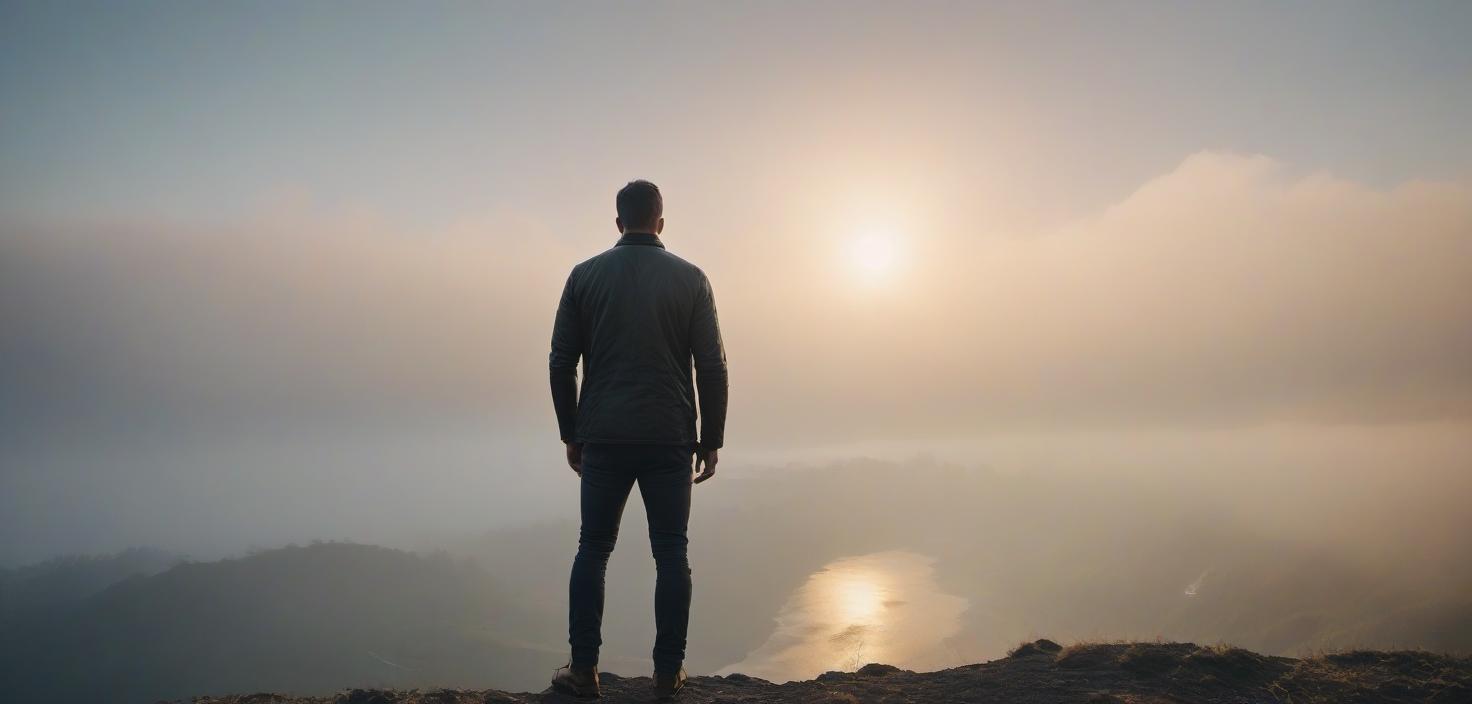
x,y
638,316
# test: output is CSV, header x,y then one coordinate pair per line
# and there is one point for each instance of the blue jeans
x,y
664,475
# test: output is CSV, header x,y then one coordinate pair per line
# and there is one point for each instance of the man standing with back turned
x,y
638,316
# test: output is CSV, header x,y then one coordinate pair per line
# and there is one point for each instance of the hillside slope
x,y
307,619
1036,673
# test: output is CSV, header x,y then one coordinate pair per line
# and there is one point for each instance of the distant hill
x,y
63,581
1038,673
307,619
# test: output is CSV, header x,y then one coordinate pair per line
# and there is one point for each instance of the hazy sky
x,y
267,266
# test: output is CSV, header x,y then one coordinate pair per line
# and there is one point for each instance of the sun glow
x,y
873,255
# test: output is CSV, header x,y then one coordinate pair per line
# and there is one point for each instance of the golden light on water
x,y
881,607
858,598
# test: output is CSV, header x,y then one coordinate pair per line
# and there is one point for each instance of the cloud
x,y
1229,291
1232,290
288,316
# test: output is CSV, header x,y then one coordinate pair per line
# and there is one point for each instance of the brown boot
x,y
577,680
667,685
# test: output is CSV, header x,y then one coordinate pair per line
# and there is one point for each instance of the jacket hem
x,y
629,441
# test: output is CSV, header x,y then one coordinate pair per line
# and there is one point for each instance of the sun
x,y
873,255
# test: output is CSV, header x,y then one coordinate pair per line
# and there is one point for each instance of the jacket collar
x,y
646,238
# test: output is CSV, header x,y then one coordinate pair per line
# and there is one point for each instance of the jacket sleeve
x,y
567,347
710,367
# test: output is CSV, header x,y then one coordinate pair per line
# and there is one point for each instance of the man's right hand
x,y
575,457
705,462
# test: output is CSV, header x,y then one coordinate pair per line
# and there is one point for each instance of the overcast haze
x,y
271,273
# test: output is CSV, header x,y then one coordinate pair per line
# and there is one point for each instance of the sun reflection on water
x,y
857,597
880,607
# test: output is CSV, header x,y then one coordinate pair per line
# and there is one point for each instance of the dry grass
x,y
1089,654
1372,676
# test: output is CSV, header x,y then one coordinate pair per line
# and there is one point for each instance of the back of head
x,y
640,207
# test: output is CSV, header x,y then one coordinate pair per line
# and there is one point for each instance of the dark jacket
x,y
638,316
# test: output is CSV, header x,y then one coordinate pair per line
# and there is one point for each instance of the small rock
x,y
1041,646
875,669
364,696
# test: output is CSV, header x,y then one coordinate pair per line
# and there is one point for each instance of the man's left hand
x,y
705,461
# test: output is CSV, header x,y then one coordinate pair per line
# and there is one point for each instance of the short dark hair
x,y
640,205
